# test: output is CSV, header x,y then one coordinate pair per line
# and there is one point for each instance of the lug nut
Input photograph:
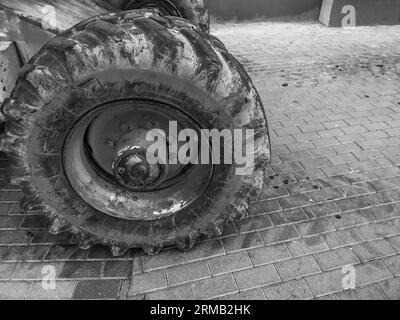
x,y
121,170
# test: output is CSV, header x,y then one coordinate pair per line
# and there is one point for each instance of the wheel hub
x,y
133,171
106,161
131,165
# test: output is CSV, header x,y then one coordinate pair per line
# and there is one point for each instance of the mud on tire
x,y
128,56
195,11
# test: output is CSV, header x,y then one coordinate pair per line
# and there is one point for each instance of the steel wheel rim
x,y
164,7
93,184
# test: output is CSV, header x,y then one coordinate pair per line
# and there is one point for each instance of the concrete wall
x,y
248,9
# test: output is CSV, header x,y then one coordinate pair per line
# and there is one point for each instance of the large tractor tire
x,y
96,88
195,11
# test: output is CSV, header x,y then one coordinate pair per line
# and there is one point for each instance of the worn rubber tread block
x,y
121,56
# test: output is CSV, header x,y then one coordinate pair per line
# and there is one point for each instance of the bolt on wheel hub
x,y
133,171
131,166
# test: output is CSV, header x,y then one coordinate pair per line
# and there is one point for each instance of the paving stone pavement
x,y
331,197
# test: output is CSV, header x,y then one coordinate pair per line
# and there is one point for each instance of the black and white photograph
x,y
200,157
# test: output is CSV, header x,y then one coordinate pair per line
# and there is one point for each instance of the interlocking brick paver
x,y
7,270
214,287
12,196
297,268
343,238
14,237
357,177
287,167
346,147
14,290
354,203
325,283
337,258
307,246
349,219
5,208
24,253
271,254
335,124
373,250
97,289
252,223
205,250
279,234
124,290
291,290
42,236
370,292
371,272
242,242
256,294
80,269
147,282
296,201
302,187
386,184
326,194
64,252
342,158
393,264
34,271
394,242
10,222
330,133
63,290
165,259
391,288
322,210
378,230
321,151
358,189
328,297
188,273
274,192
176,293
256,277
309,174
316,163
288,216
230,263
380,198
264,207
387,172
315,227
117,269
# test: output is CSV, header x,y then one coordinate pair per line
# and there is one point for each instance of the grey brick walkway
x,y
331,197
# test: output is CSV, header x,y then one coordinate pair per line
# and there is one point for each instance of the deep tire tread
x,y
215,65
